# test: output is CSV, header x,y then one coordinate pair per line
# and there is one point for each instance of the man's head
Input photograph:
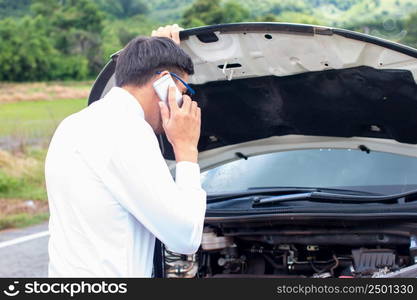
x,y
137,67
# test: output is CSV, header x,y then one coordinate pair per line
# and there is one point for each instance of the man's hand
x,y
182,126
169,31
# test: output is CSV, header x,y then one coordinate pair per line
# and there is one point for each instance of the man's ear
x,y
163,73
158,75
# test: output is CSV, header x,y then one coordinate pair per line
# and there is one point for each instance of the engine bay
x,y
297,251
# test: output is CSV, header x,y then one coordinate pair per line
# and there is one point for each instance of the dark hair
x,y
144,56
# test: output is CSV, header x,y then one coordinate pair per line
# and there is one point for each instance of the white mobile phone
x,y
161,87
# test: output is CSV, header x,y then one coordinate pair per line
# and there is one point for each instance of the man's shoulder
x,y
95,116
108,120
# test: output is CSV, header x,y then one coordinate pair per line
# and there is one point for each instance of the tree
x,y
289,6
76,28
342,5
234,12
123,8
125,36
27,53
44,8
301,18
267,18
13,8
204,12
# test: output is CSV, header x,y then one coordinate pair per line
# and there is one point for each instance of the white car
x,y
308,153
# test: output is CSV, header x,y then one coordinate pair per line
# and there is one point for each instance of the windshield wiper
x,y
311,189
329,197
276,191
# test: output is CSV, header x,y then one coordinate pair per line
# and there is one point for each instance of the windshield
x,y
378,172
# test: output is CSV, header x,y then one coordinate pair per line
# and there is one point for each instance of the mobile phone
x,y
161,87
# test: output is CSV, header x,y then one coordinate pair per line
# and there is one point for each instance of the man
x,y
110,191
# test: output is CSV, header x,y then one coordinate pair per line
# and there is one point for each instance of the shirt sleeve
x,y
138,176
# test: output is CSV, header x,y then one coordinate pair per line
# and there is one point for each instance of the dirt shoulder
x,y
17,92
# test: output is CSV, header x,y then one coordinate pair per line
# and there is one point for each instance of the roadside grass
x,y
26,127
21,175
23,199
22,220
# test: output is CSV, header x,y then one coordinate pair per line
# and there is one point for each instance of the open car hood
x,y
266,87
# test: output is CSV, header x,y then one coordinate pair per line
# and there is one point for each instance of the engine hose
x,y
273,263
335,265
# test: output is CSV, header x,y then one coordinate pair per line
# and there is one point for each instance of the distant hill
x,y
338,13
331,12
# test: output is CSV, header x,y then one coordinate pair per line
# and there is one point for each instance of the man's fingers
x,y
186,104
179,27
194,107
161,32
164,112
175,33
173,105
169,31
199,114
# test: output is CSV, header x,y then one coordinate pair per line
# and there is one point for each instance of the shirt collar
x,y
120,94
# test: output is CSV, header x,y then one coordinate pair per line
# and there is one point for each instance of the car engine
x,y
296,252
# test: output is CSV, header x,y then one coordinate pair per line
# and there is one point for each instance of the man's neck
x,y
142,95
146,98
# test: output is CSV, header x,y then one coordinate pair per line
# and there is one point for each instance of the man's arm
x,y
138,177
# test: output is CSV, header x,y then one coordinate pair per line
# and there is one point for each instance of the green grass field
x,y
25,130
35,119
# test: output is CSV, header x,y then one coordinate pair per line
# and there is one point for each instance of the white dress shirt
x,y
110,193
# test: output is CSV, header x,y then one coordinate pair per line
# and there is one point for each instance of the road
x,y
24,252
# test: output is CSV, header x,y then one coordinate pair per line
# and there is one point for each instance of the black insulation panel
x,y
360,101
